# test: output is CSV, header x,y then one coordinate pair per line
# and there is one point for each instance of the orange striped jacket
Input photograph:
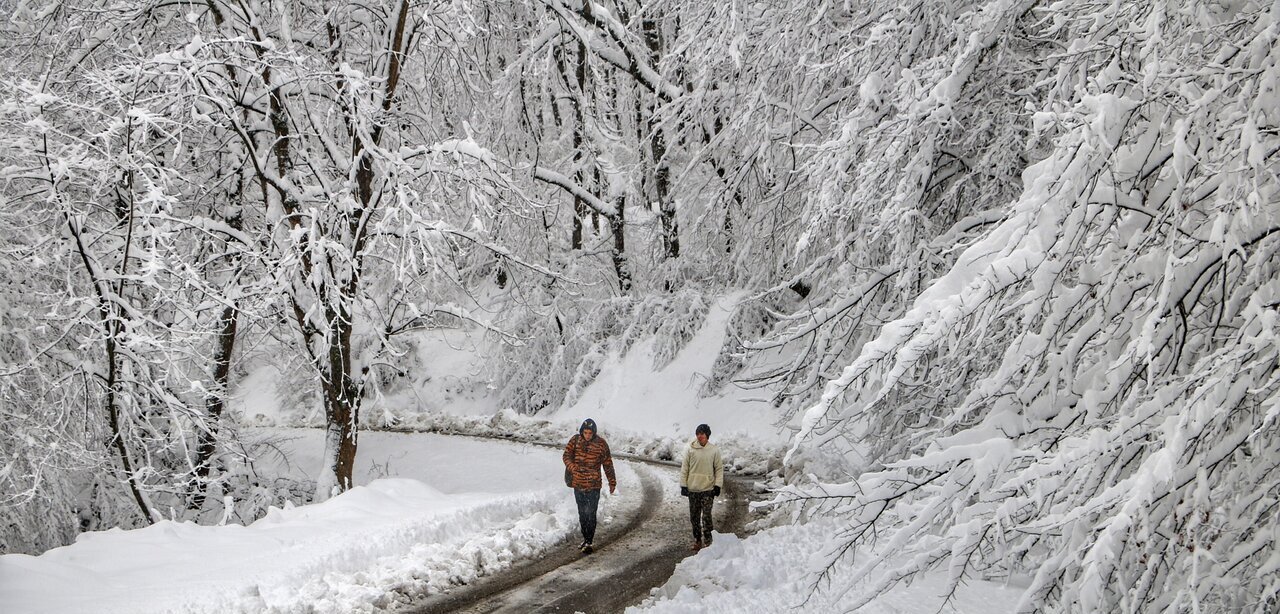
x,y
585,458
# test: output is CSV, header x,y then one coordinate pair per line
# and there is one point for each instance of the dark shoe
x,y
696,546
587,549
582,546
706,542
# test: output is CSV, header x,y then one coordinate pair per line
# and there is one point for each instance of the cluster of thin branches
x,y
1080,386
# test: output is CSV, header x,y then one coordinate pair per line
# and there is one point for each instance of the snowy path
x,y
631,559
441,524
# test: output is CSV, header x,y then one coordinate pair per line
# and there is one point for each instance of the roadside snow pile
x,y
367,549
741,455
774,571
333,556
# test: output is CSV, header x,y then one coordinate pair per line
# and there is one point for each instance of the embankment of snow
x,y
364,550
774,571
631,395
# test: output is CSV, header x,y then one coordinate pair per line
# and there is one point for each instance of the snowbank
x,y
774,571
364,550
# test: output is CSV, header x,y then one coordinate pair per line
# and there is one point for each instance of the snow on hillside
x,y
447,377
631,395
459,509
642,411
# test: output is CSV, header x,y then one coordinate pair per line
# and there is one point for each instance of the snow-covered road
x,y
451,526
634,556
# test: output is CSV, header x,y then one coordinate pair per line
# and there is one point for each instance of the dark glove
x,y
716,491
684,491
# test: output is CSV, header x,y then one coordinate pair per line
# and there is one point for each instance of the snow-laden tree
x,y
226,167
375,196
681,126
44,460
881,164
1087,391
127,232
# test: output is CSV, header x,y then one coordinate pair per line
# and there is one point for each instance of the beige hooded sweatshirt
x,y
702,468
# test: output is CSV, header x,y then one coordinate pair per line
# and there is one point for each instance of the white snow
x,y
437,510
631,396
458,508
771,572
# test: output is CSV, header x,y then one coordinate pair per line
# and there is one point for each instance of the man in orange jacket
x,y
583,457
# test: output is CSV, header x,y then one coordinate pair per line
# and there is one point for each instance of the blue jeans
x,y
588,501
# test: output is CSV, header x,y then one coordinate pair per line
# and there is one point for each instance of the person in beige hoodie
x,y
701,478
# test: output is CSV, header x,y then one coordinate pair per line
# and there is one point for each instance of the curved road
x,y
630,558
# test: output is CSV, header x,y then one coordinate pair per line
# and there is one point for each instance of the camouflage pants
x,y
700,504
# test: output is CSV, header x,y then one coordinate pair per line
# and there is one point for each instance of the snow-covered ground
x,y
631,396
456,509
773,571
436,510
644,411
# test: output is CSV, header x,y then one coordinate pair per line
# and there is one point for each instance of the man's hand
x,y
684,491
717,492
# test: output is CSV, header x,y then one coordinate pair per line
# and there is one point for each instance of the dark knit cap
x,y
588,424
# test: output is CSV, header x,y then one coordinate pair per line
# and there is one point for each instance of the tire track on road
x,y
629,560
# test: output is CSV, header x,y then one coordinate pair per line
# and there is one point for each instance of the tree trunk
x,y
112,325
658,153
581,158
342,400
735,199
661,184
617,225
113,420
215,402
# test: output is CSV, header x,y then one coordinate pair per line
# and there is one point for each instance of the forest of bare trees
x,y
1017,260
